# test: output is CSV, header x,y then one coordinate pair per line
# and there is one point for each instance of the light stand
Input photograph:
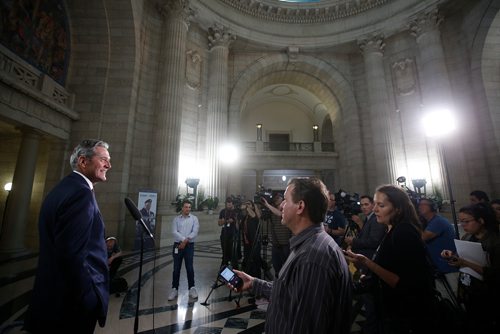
x,y
450,192
441,122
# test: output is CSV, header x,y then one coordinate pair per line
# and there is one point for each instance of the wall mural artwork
x,y
38,32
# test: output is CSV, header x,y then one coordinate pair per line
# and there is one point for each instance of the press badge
x,y
176,250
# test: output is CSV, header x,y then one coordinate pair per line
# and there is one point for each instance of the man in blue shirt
x,y
438,234
185,229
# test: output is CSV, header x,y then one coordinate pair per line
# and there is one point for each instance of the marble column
x,y
436,86
217,118
436,91
18,201
373,53
167,128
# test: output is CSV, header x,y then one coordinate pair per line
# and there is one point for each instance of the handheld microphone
x,y
134,211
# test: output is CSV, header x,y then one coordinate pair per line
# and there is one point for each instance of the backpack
x,y
118,285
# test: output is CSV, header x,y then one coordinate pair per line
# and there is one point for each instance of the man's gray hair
x,y
87,149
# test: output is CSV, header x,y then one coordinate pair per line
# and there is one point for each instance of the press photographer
x,y
280,234
251,238
370,234
335,223
229,236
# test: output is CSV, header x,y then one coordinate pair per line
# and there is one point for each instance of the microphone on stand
x,y
134,211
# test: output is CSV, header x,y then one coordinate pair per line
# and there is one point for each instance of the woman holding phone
x,y
401,276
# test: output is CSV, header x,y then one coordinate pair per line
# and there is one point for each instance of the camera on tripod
x,y
266,194
348,204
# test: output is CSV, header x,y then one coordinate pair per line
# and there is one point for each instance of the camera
x,y
263,193
258,198
348,204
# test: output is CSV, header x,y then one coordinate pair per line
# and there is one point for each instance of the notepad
x,y
473,252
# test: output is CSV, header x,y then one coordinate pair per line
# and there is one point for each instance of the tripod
x,y
218,282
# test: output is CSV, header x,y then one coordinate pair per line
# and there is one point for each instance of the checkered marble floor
x,y
156,314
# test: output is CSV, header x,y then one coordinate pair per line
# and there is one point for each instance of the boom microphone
x,y
134,211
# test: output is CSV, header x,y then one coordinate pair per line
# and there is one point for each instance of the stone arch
x,y
328,83
105,80
490,70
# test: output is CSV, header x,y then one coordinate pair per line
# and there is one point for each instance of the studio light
x,y
439,122
229,154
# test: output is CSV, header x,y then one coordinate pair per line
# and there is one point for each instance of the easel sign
x,y
147,203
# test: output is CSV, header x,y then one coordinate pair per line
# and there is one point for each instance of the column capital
x,y
218,35
372,44
425,22
175,9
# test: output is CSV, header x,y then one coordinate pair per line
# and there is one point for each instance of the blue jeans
x,y
187,254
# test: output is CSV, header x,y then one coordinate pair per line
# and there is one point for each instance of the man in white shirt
x,y
185,228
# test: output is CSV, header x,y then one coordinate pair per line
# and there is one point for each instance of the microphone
x,y
134,211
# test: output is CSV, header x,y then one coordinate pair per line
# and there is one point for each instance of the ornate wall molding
x,y
404,76
303,13
218,35
424,22
32,82
194,64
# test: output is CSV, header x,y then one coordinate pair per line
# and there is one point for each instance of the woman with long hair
x,y
403,281
480,296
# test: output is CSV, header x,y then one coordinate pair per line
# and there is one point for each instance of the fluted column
x,y
373,53
437,93
433,73
167,129
218,94
18,203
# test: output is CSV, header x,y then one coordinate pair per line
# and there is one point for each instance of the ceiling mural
x,y
38,32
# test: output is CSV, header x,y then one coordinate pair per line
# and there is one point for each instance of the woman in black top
x,y
405,284
250,236
480,297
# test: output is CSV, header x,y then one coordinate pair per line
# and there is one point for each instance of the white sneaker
x,y
192,293
173,294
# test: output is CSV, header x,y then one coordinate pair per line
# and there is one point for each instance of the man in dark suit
x,y
71,288
371,233
366,242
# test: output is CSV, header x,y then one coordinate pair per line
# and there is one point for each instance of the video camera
x,y
266,194
348,204
413,195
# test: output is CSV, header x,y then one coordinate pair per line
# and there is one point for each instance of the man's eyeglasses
x,y
466,221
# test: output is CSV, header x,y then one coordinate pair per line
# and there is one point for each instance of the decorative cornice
x,y
303,13
176,9
424,22
218,35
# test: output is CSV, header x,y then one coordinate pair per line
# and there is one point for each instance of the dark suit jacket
x,y
72,283
369,237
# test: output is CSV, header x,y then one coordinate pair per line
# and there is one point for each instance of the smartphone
x,y
230,277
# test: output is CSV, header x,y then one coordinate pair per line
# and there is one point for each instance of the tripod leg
x,y
215,285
